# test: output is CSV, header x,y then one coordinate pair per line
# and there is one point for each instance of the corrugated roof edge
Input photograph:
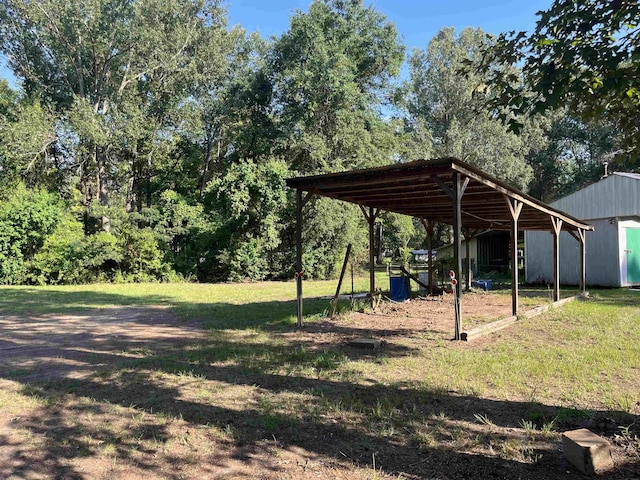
x,y
635,176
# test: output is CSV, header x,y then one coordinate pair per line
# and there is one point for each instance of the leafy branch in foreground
x,y
582,55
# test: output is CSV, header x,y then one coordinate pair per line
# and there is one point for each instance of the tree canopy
x,y
582,55
149,141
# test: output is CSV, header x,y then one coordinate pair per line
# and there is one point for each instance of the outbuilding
x,y
612,206
489,251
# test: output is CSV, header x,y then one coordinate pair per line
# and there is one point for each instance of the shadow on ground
x,y
179,371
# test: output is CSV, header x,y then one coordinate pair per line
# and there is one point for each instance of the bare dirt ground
x,y
74,346
430,317
136,393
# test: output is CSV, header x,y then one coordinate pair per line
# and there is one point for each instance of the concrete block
x,y
366,343
588,452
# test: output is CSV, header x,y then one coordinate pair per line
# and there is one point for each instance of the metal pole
x,y
298,274
457,250
514,265
372,271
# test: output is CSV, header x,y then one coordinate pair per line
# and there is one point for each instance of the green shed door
x,y
633,255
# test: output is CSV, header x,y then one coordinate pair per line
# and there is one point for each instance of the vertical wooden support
x,y
455,194
430,261
299,205
580,236
557,228
457,247
583,260
371,218
372,264
467,264
515,207
334,302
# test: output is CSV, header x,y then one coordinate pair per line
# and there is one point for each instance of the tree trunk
x,y
148,181
103,192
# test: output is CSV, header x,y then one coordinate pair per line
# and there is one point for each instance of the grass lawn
x,y
249,396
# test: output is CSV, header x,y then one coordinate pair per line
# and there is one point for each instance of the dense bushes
x,y
27,218
43,242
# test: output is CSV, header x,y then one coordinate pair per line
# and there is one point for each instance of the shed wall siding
x,y
602,252
447,252
614,196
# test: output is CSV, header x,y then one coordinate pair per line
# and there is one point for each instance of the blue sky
x,y
417,21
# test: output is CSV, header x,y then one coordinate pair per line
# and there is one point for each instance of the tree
x,y
449,106
570,157
250,200
582,55
119,72
331,73
27,217
29,144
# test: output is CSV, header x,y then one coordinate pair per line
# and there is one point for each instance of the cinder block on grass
x,y
588,452
366,343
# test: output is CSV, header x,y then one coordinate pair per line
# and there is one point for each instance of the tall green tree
x,y
449,107
571,155
332,72
29,142
119,72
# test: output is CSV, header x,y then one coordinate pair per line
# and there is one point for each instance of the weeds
x,y
483,419
628,440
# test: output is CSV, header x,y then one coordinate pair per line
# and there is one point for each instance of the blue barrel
x,y
399,288
483,284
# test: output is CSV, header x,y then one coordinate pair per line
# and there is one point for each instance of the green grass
x,y
224,305
255,382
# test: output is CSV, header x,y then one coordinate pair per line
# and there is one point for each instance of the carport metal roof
x,y
424,189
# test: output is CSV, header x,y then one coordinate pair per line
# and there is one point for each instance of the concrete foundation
x,y
588,452
366,343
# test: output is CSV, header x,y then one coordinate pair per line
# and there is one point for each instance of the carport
x,y
444,190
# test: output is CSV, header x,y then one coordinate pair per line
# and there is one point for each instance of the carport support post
x,y
371,218
583,260
557,228
581,237
298,274
457,250
467,263
372,254
515,207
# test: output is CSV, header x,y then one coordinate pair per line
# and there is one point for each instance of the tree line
x,y
149,141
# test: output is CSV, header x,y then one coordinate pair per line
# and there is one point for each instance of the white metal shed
x,y
612,206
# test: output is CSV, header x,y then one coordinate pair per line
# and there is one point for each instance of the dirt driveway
x,y
75,346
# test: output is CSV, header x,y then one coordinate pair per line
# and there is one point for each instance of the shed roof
x,y
617,195
635,176
422,189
